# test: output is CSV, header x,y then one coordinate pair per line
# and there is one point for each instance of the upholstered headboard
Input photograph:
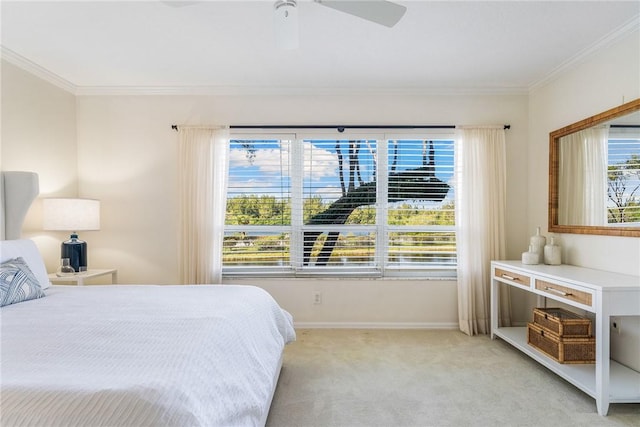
x,y
17,192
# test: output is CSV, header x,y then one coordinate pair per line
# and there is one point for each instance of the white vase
x,y
538,241
552,253
531,257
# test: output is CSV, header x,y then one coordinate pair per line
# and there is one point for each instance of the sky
x,y
269,171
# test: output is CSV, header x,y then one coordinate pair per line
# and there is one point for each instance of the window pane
x,y
419,173
420,197
259,188
623,189
336,248
338,189
258,205
422,249
255,248
339,182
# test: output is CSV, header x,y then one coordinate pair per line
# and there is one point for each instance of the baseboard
x,y
374,325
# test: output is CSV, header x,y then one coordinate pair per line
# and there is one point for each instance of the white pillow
x,y
17,282
28,250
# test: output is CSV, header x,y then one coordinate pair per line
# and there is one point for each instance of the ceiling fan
x,y
381,12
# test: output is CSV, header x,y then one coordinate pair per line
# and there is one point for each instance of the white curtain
x,y
203,164
480,187
582,177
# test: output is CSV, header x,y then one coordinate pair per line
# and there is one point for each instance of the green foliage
x,y
623,185
269,210
364,215
258,210
407,214
312,206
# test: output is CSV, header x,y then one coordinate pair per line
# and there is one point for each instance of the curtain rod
x,y
626,126
341,128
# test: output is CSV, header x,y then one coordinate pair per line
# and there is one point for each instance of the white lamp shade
x,y
71,214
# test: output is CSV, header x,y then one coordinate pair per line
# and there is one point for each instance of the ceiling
x,y
484,46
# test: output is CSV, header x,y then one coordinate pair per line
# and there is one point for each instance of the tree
x,y
418,183
622,189
258,210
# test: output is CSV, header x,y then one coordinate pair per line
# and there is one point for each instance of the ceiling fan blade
x,y
379,11
180,3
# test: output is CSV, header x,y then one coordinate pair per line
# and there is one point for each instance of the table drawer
x,y
513,277
565,293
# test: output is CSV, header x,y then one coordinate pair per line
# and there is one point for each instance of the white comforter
x,y
141,356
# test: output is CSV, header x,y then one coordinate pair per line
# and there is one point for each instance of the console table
x,y
603,293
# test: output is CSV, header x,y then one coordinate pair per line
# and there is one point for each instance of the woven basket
x,y
562,349
561,322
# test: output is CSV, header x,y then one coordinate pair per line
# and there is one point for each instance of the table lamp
x,y
66,214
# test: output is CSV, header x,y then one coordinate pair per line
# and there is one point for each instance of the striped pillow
x,y
17,282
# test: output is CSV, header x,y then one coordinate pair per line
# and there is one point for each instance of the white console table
x,y
604,293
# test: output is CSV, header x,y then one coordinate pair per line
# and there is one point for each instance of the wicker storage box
x,y
561,322
562,349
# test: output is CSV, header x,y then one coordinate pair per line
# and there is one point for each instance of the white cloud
x,y
253,184
273,161
268,161
321,162
328,193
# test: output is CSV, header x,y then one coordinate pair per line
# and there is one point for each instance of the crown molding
x,y
290,91
629,27
37,70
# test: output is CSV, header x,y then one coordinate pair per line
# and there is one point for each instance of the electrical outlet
x,y
615,325
317,297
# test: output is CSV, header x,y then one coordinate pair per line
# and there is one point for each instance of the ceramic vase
x,y
552,253
531,257
538,241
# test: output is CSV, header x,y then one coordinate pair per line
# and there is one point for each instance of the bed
x,y
136,355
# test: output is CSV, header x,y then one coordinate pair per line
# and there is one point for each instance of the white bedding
x,y
141,356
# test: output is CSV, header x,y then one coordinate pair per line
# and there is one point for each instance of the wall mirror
x,y
594,174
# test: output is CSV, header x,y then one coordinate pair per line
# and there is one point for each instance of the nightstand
x,y
79,278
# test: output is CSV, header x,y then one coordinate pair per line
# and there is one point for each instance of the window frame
x,y
381,269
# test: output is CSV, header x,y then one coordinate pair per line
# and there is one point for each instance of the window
x,y
623,176
378,205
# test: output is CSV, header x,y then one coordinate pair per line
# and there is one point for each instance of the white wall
x,y
366,303
39,130
602,81
127,159
39,135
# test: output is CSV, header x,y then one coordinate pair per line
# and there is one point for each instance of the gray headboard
x,y
17,192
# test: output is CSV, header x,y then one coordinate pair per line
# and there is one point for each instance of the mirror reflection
x,y
599,175
595,174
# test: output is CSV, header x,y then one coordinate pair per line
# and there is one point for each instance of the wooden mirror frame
x,y
554,157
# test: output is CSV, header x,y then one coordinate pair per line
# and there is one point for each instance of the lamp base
x,y
76,251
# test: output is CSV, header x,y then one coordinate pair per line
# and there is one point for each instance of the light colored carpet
x,y
343,377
